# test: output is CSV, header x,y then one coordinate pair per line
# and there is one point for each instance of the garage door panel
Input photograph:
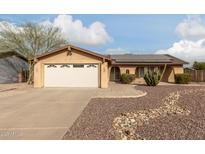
x,y
70,76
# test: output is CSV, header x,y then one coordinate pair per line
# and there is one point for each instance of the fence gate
x,y
196,75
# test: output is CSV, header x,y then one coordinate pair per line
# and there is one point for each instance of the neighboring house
x,y
11,64
71,66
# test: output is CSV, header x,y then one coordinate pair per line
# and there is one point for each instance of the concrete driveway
x,y
48,113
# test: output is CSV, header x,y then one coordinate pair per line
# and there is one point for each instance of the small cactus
x,y
152,78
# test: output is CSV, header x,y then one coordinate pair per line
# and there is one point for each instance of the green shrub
x,y
127,78
182,78
152,78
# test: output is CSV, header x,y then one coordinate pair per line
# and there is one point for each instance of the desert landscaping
x,y
166,112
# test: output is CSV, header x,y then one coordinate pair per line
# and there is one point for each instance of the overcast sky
x,y
180,35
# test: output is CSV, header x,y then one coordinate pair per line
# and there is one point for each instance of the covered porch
x,y
140,70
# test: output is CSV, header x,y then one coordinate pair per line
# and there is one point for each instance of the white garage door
x,y
71,75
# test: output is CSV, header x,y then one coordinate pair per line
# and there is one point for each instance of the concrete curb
x,y
136,96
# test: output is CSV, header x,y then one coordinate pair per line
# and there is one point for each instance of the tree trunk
x,y
30,71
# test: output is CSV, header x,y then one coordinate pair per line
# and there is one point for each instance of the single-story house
x,y
11,65
71,66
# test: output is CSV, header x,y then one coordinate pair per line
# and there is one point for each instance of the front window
x,y
78,65
49,66
65,66
91,65
127,71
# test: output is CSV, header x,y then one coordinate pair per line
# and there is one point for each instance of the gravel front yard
x,y
182,118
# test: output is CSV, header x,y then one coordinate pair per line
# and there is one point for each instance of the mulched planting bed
x,y
96,121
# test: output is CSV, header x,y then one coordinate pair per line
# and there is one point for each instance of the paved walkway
x,y
48,113
116,90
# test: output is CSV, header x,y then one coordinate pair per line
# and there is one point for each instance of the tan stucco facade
x,y
175,70
76,57
104,75
169,75
130,68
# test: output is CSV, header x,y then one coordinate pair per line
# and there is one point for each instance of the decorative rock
x,y
126,124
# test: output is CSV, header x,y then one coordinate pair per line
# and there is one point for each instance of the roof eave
x,y
143,63
182,61
69,47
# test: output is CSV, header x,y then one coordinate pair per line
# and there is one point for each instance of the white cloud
x,y
187,50
75,32
191,28
116,51
192,45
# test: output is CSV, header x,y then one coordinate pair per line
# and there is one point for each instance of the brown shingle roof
x,y
131,59
146,59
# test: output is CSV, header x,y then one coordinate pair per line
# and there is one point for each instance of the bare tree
x,y
29,40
